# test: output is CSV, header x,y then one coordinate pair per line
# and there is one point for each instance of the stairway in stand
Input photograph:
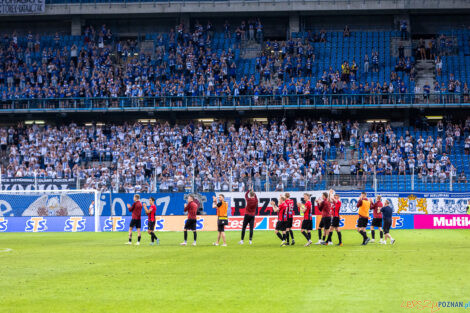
x,y
425,73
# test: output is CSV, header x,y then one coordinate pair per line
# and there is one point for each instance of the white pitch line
x,y
6,250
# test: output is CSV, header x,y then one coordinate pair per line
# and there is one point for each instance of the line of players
x,y
329,205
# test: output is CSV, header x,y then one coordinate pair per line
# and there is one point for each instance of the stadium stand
x,y
220,156
206,63
206,67
452,53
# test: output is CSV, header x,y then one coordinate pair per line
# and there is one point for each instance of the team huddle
x,y
329,206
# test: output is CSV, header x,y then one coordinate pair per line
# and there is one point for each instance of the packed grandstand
x,y
300,155
204,65
236,63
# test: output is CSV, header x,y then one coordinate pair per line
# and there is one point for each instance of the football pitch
x,y
96,272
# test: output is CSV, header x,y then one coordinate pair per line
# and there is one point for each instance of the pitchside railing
x,y
239,102
372,182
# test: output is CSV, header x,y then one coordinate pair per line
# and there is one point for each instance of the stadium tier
x,y
305,155
203,67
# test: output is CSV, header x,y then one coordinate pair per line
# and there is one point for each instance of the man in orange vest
x,y
364,207
222,218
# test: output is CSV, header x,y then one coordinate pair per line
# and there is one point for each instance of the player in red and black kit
x,y
191,222
377,220
250,212
307,224
281,218
136,210
290,218
336,206
151,220
325,209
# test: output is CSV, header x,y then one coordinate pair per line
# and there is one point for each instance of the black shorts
x,y
325,222
135,223
151,225
190,224
281,226
387,225
377,222
335,221
362,221
307,225
220,226
289,222
249,219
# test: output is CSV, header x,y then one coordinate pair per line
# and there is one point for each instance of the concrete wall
x,y
194,7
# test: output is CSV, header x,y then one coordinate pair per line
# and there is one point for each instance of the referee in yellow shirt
x,y
364,207
222,219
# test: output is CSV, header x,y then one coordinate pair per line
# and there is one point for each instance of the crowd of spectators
x,y
144,157
287,68
31,68
428,158
185,64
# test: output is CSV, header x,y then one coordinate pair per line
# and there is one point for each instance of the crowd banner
x,y
20,7
115,204
442,221
401,203
31,183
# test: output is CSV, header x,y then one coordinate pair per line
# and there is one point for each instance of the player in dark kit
x,y
325,208
377,219
387,213
136,210
290,218
191,222
336,206
151,220
307,225
250,212
281,219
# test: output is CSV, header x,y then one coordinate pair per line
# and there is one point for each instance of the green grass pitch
x,y
96,272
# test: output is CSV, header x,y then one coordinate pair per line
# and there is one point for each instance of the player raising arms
x,y
191,208
336,206
151,220
290,218
377,219
364,207
325,208
250,212
136,210
306,209
281,218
